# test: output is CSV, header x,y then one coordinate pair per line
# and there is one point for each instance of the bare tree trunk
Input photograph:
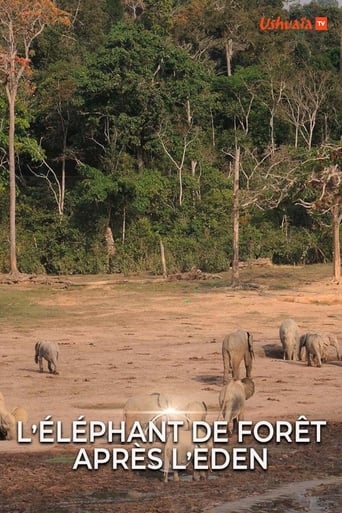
x,y
336,221
193,174
61,210
61,207
272,131
140,159
162,257
212,129
296,136
229,55
123,226
111,250
235,263
180,180
13,245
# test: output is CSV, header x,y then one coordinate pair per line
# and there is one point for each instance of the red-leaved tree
x,y
21,21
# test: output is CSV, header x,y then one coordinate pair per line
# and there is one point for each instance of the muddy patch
x,y
315,496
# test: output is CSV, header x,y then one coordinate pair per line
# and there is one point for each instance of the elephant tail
x,y
222,402
250,344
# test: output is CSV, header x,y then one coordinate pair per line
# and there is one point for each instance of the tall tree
x,y
21,21
303,99
326,187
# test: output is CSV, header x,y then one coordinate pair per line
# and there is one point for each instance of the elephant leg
x,y
235,425
196,476
175,475
203,475
226,367
301,355
166,469
308,357
319,361
235,371
248,365
40,364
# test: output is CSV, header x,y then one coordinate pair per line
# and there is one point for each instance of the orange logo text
x,y
321,23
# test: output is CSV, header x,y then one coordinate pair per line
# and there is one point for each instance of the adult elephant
x,y
144,408
237,346
157,407
289,338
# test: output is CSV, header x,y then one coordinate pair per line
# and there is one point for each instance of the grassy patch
x,y
21,306
28,305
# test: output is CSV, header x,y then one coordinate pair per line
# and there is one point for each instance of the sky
x,y
308,1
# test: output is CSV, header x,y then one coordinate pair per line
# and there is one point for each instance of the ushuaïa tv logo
x,y
320,23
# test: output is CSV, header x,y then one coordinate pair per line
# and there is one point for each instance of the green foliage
x,y
133,108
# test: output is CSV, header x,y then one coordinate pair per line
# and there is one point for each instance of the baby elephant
x,y
49,351
317,346
232,399
289,337
182,453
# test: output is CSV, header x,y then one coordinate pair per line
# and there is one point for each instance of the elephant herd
x,y
158,407
316,344
237,347
154,407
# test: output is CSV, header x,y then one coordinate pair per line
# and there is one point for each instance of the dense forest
x,y
132,118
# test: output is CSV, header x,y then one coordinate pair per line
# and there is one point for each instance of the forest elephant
x,y
195,411
289,337
317,345
49,352
182,453
144,408
236,347
330,340
232,400
187,413
9,420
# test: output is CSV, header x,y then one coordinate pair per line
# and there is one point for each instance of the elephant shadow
x,y
208,379
338,363
273,351
31,370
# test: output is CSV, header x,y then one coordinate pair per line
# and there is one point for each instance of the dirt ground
x,y
118,338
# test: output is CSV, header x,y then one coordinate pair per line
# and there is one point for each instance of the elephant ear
x,y
163,402
20,414
249,387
